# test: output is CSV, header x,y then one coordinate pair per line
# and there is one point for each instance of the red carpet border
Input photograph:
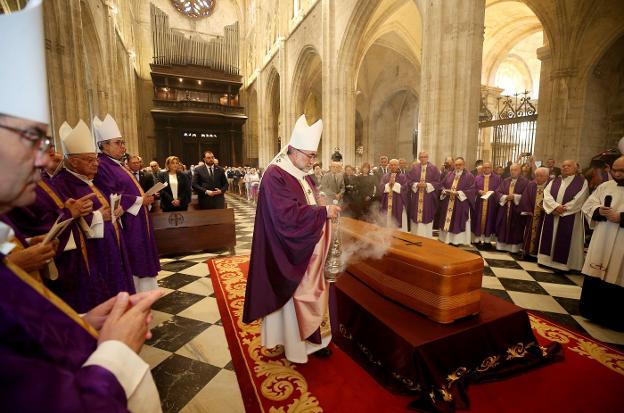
x,y
590,378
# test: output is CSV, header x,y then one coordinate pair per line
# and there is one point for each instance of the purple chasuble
x,y
108,272
565,227
532,229
509,221
461,210
285,233
399,201
430,200
42,351
38,217
492,206
138,230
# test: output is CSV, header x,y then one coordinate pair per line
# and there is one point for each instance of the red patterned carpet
x,y
590,379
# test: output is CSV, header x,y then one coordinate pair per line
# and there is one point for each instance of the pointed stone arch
x,y
369,21
273,105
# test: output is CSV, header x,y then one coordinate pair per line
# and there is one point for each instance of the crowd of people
x,y
79,257
539,213
75,305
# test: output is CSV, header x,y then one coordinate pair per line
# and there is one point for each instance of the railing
x,y
178,105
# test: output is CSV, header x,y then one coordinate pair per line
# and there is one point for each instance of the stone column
x,y
451,78
491,94
544,147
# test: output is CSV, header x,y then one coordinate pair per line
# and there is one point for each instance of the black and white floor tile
x,y
189,355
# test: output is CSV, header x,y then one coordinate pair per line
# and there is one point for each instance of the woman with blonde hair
x,y
177,195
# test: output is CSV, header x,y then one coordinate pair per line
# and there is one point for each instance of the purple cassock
x,y
38,217
509,221
113,178
483,220
399,201
429,200
285,233
42,355
460,210
565,227
532,205
108,273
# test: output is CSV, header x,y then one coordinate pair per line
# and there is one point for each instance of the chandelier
x,y
194,8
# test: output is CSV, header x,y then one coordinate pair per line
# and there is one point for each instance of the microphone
x,y
607,201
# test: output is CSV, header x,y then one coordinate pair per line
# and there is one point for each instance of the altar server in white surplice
x,y
602,299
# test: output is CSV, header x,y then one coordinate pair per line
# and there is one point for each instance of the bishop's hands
x,y
148,200
125,318
35,256
333,211
81,206
392,179
560,210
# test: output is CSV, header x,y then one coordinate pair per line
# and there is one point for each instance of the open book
x,y
57,229
156,188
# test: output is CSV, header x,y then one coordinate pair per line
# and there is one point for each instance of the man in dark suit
x,y
210,183
382,169
144,179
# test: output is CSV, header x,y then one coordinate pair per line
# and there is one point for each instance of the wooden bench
x,y
194,230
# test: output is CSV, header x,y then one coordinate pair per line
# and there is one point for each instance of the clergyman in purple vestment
x,y
114,178
510,221
108,270
51,359
458,197
532,206
286,286
38,218
423,182
563,233
393,196
483,220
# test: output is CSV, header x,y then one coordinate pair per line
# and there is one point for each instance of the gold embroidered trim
x,y
50,296
281,380
451,204
421,194
484,204
579,344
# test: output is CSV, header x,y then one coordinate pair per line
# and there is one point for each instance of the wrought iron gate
x,y
511,130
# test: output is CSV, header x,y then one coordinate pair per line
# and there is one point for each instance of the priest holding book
x,y
114,179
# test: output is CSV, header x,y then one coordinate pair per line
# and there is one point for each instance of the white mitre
x,y
76,140
23,81
303,137
306,137
621,145
106,129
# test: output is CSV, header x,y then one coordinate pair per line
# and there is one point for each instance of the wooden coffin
x,y
435,279
194,230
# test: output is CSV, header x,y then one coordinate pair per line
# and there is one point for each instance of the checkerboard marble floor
x,y
189,355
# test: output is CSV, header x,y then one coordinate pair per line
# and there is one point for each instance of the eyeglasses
x,y
309,155
36,136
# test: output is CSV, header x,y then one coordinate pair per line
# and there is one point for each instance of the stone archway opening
x,y
510,68
308,88
387,84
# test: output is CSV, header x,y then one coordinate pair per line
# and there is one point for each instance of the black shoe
x,y
323,353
